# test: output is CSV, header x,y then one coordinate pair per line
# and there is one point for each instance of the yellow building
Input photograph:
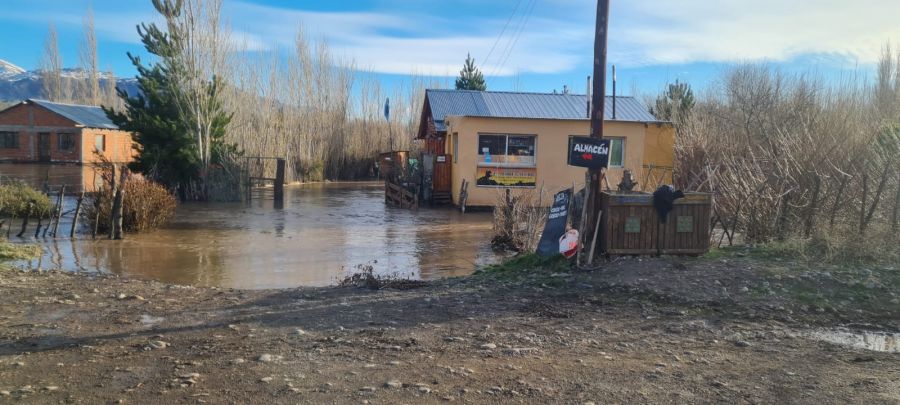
x,y
503,140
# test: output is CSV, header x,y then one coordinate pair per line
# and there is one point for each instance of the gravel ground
x,y
641,330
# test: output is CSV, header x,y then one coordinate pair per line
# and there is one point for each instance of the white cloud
x,y
403,43
664,31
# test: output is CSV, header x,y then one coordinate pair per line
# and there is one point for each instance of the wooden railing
x,y
398,196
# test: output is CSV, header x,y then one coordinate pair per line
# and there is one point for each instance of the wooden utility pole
x,y
598,104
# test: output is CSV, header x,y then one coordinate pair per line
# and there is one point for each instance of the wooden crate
x,y
630,225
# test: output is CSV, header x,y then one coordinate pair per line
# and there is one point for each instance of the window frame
x,y
506,136
100,137
611,149
6,136
71,141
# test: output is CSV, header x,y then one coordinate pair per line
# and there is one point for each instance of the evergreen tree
x,y
470,78
675,104
167,149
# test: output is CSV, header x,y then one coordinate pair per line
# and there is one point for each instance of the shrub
x,y
147,205
19,200
518,220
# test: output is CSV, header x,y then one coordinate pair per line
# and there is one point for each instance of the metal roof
x,y
86,115
467,103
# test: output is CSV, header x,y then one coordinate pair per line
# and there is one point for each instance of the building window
x,y
66,141
9,140
100,143
515,150
616,152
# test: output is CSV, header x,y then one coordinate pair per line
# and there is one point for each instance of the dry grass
x,y
17,251
519,220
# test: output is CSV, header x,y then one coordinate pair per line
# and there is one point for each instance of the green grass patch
x,y
532,267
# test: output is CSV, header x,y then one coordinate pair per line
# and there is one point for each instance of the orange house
x,y
41,131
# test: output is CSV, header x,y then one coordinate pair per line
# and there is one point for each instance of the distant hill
x,y
17,84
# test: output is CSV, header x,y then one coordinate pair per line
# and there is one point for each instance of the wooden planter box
x,y
630,225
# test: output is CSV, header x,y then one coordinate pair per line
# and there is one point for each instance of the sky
x,y
524,45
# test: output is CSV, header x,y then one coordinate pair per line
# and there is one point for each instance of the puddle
x,y
874,341
149,320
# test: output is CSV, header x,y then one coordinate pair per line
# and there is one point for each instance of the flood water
x,y
322,231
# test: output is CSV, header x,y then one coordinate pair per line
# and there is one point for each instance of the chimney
x,y
588,97
614,92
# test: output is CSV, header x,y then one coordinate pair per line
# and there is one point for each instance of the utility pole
x,y
598,104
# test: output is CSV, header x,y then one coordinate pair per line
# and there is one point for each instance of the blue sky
x,y
529,45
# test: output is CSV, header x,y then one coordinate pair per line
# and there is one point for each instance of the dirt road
x,y
704,332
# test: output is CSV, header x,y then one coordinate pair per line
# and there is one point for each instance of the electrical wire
x,y
502,32
512,45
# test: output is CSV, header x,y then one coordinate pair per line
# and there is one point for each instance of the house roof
x,y
85,115
495,104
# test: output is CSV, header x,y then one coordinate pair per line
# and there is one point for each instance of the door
x,y
44,147
441,179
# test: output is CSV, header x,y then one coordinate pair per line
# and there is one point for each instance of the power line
x,y
503,31
509,50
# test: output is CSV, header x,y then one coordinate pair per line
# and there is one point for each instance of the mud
x,y
613,336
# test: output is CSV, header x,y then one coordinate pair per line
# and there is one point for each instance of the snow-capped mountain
x,y
18,84
8,70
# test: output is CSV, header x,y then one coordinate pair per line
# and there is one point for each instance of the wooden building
x,y
42,131
501,140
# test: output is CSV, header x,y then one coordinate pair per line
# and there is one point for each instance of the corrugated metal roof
x,y
527,105
86,115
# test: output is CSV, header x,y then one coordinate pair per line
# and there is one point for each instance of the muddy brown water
x,y
322,232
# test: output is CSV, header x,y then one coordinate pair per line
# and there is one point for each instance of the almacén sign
x,y
591,153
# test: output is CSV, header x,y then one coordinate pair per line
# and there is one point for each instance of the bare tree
x,y
89,62
51,68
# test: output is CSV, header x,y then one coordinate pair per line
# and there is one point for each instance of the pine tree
x,y
168,150
675,104
470,78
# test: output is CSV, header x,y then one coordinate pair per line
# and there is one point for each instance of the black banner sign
x,y
556,224
591,153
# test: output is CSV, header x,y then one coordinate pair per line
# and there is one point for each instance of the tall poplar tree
x,y
165,134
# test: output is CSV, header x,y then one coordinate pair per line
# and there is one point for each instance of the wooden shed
x,y
631,226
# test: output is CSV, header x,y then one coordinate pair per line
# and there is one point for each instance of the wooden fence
x,y
398,196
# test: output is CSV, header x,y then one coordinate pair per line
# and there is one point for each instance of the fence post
x,y
59,208
77,213
118,207
279,180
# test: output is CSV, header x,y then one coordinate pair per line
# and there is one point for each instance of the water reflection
x,y
321,230
76,178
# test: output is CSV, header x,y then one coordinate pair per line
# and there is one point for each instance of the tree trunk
x,y
813,206
876,199
837,202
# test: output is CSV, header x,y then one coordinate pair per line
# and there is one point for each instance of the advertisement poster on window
x,y
506,177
